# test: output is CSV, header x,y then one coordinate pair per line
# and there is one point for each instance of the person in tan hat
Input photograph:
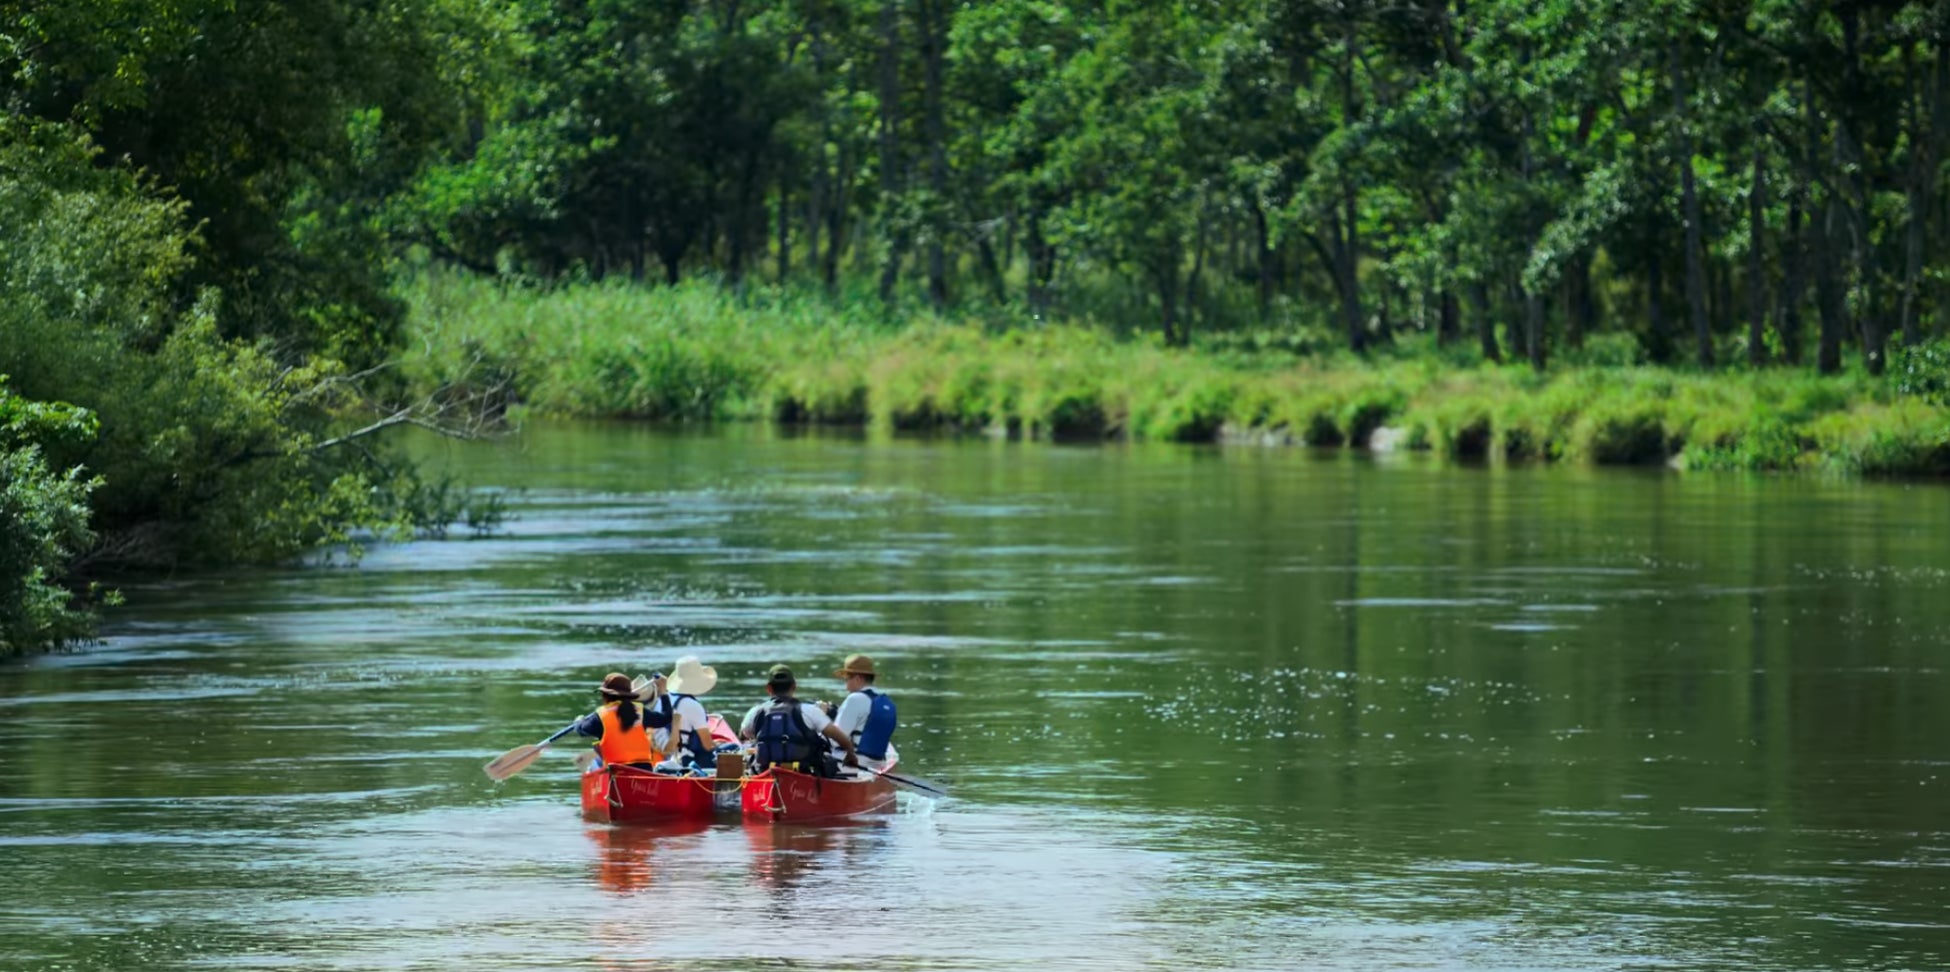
x,y
689,678
867,716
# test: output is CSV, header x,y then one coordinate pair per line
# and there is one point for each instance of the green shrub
x,y
699,351
44,523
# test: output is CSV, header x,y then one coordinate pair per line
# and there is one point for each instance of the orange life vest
x,y
620,745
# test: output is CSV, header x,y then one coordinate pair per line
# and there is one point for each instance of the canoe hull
x,y
624,794
788,796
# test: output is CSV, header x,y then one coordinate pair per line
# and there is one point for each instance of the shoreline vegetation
x,y
700,352
241,242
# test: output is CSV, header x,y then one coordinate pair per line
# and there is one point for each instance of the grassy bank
x,y
696,352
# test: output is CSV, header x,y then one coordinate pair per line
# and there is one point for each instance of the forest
x,y
241,242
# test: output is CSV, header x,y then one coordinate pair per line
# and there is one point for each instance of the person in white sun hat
x,y
689,725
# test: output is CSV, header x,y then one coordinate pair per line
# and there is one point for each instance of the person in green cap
x,y
786,732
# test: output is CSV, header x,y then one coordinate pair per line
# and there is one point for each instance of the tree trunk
x,y
1265,252
816,192
815,216
1756,259
934,41
1041,264
991,269
1581,311
1347,270
1922,186
1479,295
785,229
1794,277
889,144
836,221
1848,149
1533,324
1350,250
1659,339
1829,299
1198,271
1449,325
1695,269
1166,276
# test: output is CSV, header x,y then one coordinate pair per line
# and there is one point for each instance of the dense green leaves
x,y
43,522
203,202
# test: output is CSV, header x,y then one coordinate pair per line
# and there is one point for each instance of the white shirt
x,y
815,719
852,720
691,712
852,717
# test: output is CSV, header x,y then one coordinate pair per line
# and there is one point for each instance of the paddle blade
x,y
513,761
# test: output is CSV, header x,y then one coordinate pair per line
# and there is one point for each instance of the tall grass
x,y
700,352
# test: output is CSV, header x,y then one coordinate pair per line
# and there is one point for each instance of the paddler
x,y
617,724
867,715
689,732
786,732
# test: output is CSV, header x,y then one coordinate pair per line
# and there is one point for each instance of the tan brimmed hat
x,y
855,665
690,677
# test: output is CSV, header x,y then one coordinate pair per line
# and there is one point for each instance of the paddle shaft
x,y
913,783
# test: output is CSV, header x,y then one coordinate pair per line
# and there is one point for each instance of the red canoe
x,y
626,794
783,795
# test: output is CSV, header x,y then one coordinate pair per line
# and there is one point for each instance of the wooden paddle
x,y
521,757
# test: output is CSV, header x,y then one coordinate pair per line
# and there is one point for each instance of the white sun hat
x,y
689,677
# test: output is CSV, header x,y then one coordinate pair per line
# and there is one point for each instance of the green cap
x,y
779,673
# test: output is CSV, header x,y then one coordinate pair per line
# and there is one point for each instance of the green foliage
x,y
43,524
209,448
1923,371
699,352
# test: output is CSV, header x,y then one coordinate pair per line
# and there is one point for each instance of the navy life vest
x,y
692,738
872,739
781,735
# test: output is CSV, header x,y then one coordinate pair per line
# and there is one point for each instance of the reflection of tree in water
x,y
784,855
625,854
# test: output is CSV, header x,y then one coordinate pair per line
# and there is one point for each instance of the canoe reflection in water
x,y
785,855
626,857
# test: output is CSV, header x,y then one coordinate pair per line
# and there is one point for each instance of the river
x,y
1198,707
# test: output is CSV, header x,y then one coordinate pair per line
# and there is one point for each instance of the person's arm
x,y
590,725
844,741
745,731
671,744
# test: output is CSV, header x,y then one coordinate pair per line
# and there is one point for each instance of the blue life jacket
x,y
780,735
872,739
692,738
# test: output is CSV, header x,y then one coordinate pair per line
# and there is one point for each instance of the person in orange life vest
x,y
617,725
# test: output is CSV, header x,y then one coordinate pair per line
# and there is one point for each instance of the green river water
x,y
1199,707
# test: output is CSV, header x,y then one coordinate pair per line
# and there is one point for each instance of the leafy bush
x,y
43,524
209,450
1922,371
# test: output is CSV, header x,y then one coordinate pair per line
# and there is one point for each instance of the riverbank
x,y
697,352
